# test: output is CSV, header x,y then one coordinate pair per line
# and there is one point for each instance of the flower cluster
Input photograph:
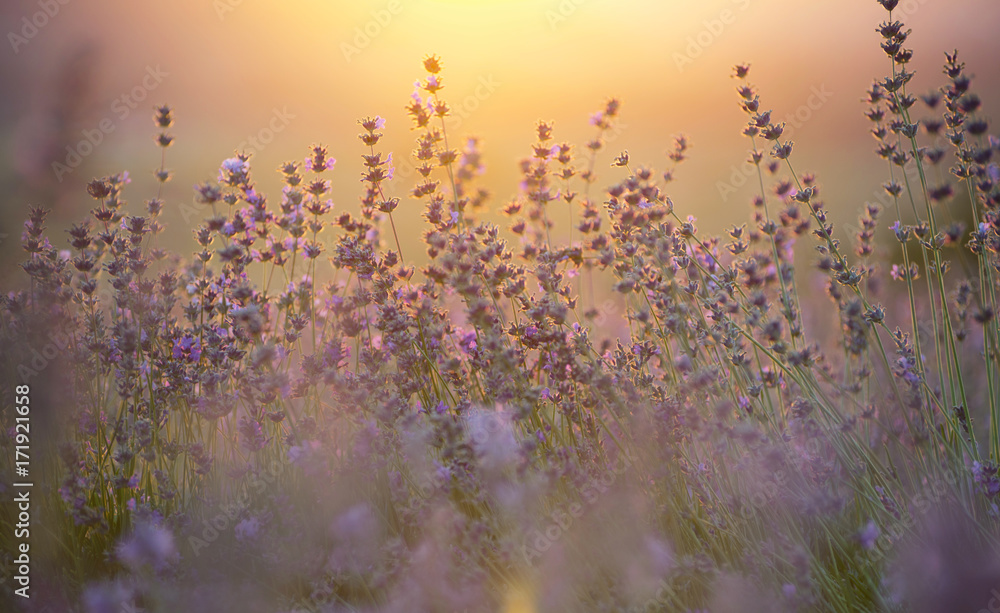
x,y
625,414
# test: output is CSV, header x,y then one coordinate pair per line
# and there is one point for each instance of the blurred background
x,y
80,80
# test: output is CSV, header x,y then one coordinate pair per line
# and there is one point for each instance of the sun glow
x,y
519,599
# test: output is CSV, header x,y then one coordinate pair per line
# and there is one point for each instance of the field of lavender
x,y
302,416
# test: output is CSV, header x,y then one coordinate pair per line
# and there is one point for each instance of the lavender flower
x,y
149,545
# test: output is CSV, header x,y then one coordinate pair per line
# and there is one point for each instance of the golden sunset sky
x,y
308,70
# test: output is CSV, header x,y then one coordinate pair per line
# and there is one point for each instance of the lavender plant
x,y
298,418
